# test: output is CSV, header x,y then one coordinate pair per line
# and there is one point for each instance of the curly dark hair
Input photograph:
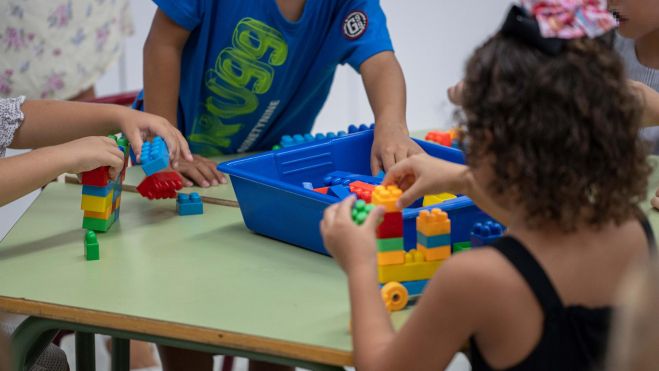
x,y
561,131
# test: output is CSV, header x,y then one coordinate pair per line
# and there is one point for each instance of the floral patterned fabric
x,y
59,48
11,118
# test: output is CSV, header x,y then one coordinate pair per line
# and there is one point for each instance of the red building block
x,y
322,190
439,137
362,190
391,226
160,185
98,177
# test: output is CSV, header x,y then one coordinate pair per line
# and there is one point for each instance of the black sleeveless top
x,y
573,337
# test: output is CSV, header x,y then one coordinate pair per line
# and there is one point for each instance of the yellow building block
x,y
96,204
386,197
103,215
414,269
391,257
432,223
117,203
435,253
437,199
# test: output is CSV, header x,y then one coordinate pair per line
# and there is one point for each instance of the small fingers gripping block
x,y
160,185
360,211
155,156
386,197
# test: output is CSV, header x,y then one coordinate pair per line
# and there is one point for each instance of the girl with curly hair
x,y
553,152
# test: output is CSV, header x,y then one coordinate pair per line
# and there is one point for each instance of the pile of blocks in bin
x,y
444,138
293,140
404,274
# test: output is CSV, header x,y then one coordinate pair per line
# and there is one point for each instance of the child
x,y
62,135
553,153
237,75
635,332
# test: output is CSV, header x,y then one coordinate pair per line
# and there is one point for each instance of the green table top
x,y
226,285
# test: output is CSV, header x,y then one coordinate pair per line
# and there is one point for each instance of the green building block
x,y
461,246
98,225
360,211
91,246
389,244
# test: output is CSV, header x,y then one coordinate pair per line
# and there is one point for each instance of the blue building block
x,y
189,204
433,241
483,234
155,156
98,191
357,129
381,174
345,178
307,185
339,191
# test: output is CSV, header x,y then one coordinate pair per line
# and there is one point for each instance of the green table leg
x,y
85,351
32,331
120,354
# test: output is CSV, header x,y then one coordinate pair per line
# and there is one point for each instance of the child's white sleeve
x,y
11,118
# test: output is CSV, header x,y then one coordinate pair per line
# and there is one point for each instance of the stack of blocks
x,y
390,232
101,197
433,235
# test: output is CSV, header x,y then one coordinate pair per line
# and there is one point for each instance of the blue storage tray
x,y
274,203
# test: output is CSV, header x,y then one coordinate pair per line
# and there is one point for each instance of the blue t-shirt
x,y
249,76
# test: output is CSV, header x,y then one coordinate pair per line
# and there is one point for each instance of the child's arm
x,y
20,175
650,100
422,175
385,86
162,75
450,311
48,123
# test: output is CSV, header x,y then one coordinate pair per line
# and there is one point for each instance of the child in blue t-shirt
x,y
237,75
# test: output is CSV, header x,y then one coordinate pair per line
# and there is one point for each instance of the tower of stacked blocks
x,y
101,196
433,235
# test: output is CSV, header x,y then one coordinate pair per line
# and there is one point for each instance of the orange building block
x,y
386,197
433,222
439,137
436,253
391,257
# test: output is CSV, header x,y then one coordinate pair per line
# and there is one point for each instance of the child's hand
x,y
89,153
139,125
200,171
391,144
422,175
351,245
455,93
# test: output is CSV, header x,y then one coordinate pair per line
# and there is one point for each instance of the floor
x,y
459,363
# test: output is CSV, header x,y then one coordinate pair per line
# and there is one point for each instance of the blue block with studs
x,y
155,156
483,234
189,204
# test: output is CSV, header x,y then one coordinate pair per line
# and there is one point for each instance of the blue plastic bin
x,y
274,203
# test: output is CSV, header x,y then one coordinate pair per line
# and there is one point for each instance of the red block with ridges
x,y
439,137
322,190
160,185
99,177
391,226
362,190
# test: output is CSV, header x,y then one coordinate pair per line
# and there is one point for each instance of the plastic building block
x,y
160,185
307,185
381,174
155,156
415,288
322,190
189,204
395,296
357,129
439,137
391,257
91,246
461,246
386,197
98,225
360,211
98,191
433,222
96,215
434,253
339,191
345,178
391,226
98,177
362,190
437,199
433,241
96,204
483,234
414,269
389,244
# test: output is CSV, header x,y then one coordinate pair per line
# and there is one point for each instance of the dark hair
x,y
562,131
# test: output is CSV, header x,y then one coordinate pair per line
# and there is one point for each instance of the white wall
x,y
432,38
